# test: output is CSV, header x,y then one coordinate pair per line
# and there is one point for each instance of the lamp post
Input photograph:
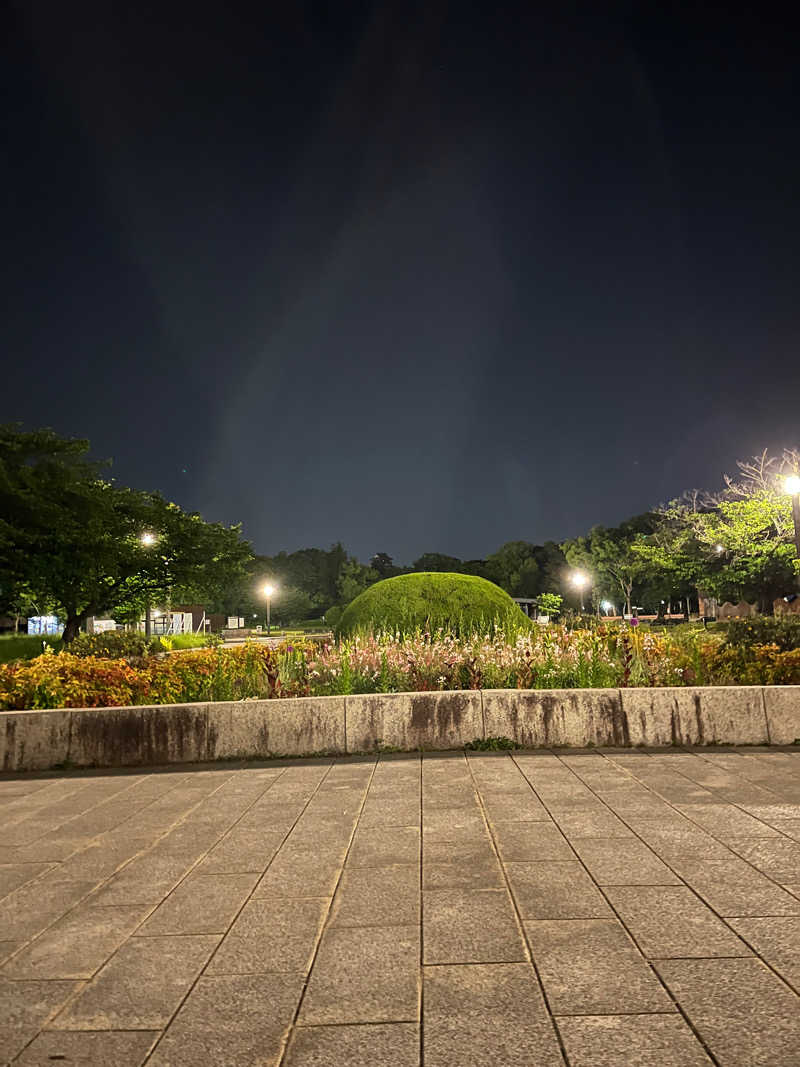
x,y
147,540
579,580
268,590
792,487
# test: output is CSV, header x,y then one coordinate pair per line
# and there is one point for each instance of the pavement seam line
x,y
517,915
326,923
202,970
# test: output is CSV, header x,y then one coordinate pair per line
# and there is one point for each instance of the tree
x,y
75,539
436,561
607,553
383,564
549,604
354,578
514,568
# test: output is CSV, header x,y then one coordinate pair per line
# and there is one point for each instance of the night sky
x,y
414,276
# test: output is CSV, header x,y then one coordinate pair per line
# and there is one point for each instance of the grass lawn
x,y
24,646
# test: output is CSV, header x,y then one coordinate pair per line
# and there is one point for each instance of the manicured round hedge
x,y
460,603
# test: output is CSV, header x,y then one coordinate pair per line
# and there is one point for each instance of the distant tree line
x,y
733,544
74,543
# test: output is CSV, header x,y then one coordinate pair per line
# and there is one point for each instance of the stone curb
x,y
260,729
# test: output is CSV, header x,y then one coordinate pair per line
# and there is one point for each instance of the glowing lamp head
x,y
268,590
719,549
607,605
148,539
792,485
579,579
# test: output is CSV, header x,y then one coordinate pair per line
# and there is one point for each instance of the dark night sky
x,y
416,276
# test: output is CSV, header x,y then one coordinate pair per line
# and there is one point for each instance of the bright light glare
x,y
148,539
792,485
579,579
720,548
268,590
608,606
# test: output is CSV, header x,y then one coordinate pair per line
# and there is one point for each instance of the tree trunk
x,y
72,627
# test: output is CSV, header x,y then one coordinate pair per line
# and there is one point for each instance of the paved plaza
x,y
590,908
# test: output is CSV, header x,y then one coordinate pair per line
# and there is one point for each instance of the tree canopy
x,y
76,541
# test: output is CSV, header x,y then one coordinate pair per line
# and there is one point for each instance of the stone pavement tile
x,y
35,905
438,848
390,811
776,940
335,833
384,847
517,807
622,1040
7,947
568,796
725,821
591,967
201,904
125,1049
377,896
364,975
556,891
742,1011
271,934
483,872
275,817
14,875
530,841
616,861
636,803
464,823
670,921
242,851
370,1045
487,1015
777,858
670,842
600,823
150,876
24,1008
230,1021
77,944
140,986
734,888
104,856
470,926
774,814
301,873
788,827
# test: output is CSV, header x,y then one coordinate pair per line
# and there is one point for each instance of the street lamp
x,y
608,607
579,580
792,487
719,549
147,540
268,590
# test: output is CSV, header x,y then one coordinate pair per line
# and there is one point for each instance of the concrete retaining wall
x,y
188,733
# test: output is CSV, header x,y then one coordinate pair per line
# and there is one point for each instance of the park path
x,y
539,908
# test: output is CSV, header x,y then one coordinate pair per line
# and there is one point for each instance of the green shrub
x,y
460,603
783,631
332,616
182,641
115,644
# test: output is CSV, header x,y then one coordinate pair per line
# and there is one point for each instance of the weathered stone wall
x,y
188,733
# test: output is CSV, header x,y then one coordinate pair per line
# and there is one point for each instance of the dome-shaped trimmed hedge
x,y
460,603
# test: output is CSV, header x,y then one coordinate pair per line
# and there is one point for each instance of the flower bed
x,y
546,658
